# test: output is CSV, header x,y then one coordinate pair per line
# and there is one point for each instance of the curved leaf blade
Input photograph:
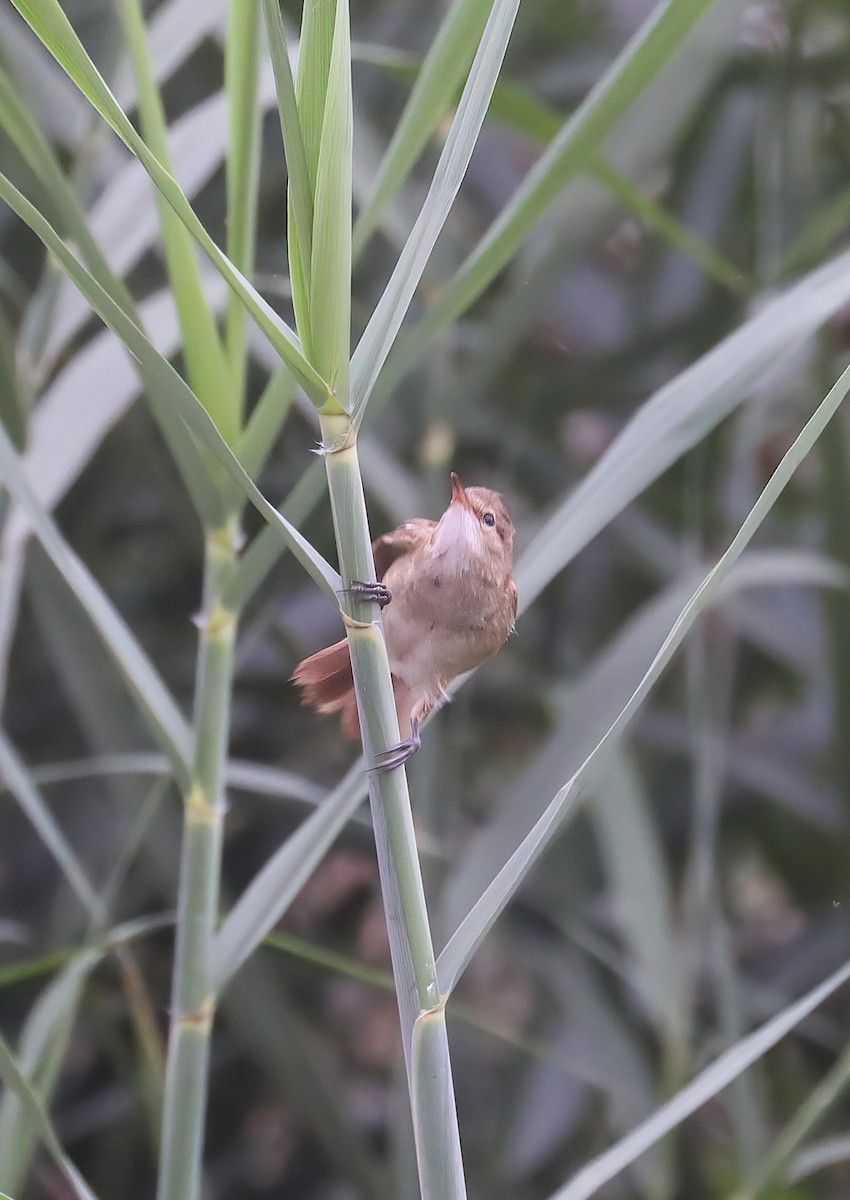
x,y
381,331
472,930
169,384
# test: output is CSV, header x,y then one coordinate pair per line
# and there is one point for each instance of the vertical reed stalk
x,y
193,999
421,1008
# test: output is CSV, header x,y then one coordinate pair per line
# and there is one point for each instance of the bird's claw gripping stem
x,y
378,592
396,756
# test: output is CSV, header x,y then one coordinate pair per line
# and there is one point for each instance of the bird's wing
x,y
401,541
514,594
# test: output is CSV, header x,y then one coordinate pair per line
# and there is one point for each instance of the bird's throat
x,y
457,541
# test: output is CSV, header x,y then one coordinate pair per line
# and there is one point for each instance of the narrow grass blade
x,y
300,187
52,27
256,778
37,1117
826,1152
380,333
42,1049
582,135
438,80
206,366
169,385
43,1046
17,779
265,550
823,227
175,31
76,412
672,231
472,930
678,416
155,702
712,1080
318,21
330,265
30,141
774,1163
642,890
241,81
314,63
581,717
273,889
265,422
521,110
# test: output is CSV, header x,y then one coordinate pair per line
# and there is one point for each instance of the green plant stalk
x,y
241,74
421,1006
193,997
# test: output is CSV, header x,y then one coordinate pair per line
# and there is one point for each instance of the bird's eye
x,y
489,519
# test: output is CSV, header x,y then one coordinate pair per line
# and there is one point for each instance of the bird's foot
x,y
388,760
378,592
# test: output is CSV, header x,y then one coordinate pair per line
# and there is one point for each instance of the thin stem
x,y
421,1008
193,999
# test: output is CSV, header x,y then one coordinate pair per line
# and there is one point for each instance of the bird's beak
x,y
458,493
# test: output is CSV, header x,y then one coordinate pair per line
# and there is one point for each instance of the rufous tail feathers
x,y
328,685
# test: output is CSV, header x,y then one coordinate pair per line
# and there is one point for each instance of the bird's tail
x,y
327,685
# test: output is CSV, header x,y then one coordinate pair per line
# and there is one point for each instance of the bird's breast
x,y
441,622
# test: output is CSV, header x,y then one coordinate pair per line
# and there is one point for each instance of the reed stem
x,y
421,1008
193,997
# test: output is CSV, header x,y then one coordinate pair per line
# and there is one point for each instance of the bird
x,y
449,602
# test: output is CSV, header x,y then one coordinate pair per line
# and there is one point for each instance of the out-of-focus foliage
x,y
701,887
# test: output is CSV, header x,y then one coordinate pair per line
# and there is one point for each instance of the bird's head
x,y
475,528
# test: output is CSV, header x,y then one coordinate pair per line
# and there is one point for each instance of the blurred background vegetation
x,y
704,885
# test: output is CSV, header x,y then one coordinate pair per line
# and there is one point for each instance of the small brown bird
x,y
451,604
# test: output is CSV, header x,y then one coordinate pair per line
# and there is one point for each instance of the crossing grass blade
x,y
708,1083
52,27
265,422
383,327
677,417
165,720
170,387
437,81
470,933
582,135
671,421
38,1119
31,1073
37,152
276,885
17,779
